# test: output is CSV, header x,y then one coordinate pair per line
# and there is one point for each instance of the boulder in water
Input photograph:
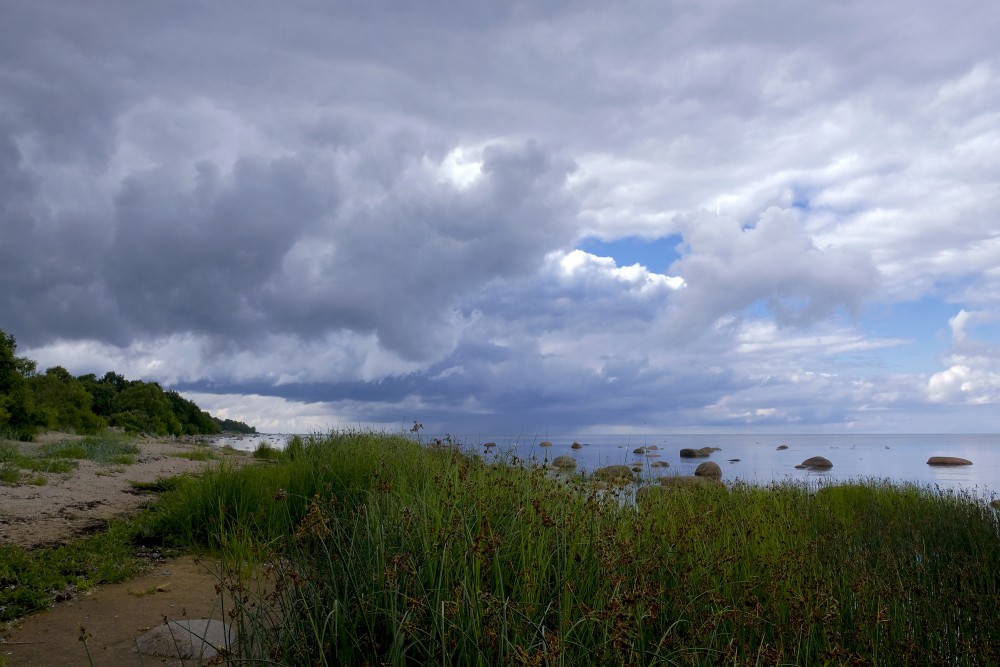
x,y
688,453
948,461
815,463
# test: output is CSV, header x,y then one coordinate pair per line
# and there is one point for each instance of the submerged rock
x,y
659,464
545,443
815,463
639,450
948,461
781,447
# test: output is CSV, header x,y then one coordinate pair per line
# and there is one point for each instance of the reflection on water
x,y
753,458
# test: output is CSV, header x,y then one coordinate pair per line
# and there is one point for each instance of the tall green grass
x,y
377,550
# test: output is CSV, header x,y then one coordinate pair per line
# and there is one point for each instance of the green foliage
x,y
86,404
233,426
32,580
13,462
144,407
103,392
266,452
161,484
193,419
106,448
10,474
65,402
19,416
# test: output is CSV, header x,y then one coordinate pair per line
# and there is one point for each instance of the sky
x,y
512,217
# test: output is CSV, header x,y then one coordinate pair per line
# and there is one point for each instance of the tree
x,y
18,414
143,407
193,419
64,401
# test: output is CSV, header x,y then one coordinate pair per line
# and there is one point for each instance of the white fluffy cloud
x,y
973,373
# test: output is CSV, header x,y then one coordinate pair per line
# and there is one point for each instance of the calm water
x,y
898,458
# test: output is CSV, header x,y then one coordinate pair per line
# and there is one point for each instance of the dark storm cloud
x,y
375,204
195,257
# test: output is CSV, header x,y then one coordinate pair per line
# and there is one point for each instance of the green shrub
x,y
266,452
9,474
108,448
31,580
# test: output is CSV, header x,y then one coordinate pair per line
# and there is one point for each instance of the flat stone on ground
x,y
199,638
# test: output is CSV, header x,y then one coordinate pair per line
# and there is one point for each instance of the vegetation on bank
x,y
31,401
381,551
32,580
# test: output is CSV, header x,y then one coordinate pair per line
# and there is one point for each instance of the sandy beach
x,y
80,502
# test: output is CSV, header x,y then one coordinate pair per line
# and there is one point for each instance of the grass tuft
x,y
108,448
266,452
197,455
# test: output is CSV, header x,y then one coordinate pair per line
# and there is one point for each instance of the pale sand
x,y
82,501
113,616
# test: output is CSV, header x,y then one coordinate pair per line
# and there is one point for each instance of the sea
x,y
754,459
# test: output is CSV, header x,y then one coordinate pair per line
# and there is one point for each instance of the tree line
x,y
31,401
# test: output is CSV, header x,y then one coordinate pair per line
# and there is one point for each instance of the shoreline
x,y
82,501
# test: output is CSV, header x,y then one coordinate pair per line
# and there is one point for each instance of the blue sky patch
x,y
655,254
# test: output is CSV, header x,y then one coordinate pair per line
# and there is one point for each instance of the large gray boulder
x,y
709,469
815,463
199,639
948,461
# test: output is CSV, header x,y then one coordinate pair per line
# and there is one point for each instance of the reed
x,y
378,550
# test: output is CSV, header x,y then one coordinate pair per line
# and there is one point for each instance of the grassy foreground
x,y
379,551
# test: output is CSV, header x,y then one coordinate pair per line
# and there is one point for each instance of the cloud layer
x,y
368,214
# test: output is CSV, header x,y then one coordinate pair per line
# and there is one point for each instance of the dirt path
x,y
112,616
80,502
